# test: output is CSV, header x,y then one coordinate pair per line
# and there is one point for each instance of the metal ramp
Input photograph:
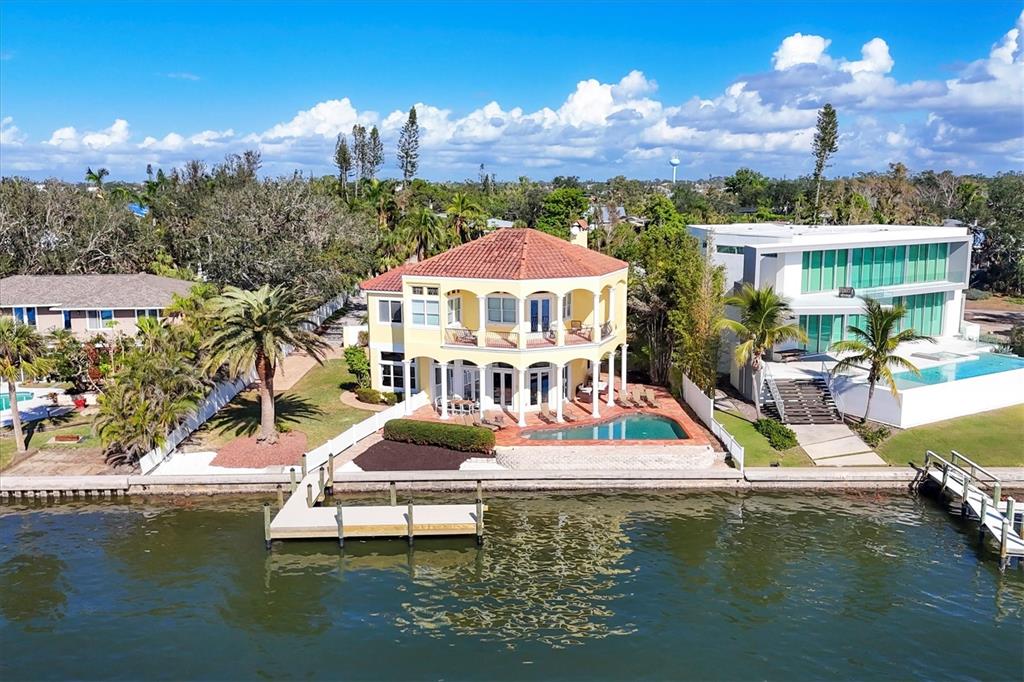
x,y
979,494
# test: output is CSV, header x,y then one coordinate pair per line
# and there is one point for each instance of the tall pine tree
x,y
825,145
360,160
374,153
343,160
409,147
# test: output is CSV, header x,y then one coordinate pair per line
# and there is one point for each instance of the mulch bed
x,y
246,453
389,455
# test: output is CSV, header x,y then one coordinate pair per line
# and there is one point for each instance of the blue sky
x,y
528,88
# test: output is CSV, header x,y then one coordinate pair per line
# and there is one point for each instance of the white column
x,y
622,371
597,315
559,390
444,390
524,321
458,379
559,322
442,316
481,333
485,395
595,377
611,378
407,383
611,304
522,397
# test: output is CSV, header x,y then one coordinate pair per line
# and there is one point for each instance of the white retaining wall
x,y
928,404
222,393
704,408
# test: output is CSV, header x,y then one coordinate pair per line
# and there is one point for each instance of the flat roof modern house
x,y
512,321
824,272
88,304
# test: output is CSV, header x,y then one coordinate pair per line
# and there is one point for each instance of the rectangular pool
x,y
626,427
986,363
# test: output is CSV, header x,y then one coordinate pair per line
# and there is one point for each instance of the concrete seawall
x,y
893,478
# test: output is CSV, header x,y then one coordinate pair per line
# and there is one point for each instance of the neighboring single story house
x,y
88,304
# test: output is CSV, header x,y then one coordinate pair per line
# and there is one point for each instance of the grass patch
x,y
757,452
993,438
312,406
39,433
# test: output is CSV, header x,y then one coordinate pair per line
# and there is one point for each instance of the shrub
x,y
872,435
977,295
368,395
451,436
779,436
359,364
389,398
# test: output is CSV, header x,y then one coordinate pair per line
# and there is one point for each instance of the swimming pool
x,y
626,427
986,363
5,400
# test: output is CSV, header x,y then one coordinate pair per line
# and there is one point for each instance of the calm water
x,y
631,426
986,363
709,586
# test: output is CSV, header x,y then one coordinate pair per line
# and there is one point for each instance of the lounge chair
x,y
479,421
649,396
637,396
545,413
626,399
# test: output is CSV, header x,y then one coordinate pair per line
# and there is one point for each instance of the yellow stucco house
x,y
511,321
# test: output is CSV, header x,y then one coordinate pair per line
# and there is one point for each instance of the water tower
x,y
674,162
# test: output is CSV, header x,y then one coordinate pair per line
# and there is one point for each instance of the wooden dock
x,y
979,494
311,512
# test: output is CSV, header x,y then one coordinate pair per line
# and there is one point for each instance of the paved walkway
x,y
294,367
835,445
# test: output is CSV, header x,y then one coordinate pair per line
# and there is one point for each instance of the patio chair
x,y
636,394
649,396
575,326
626,399
545,413
466,337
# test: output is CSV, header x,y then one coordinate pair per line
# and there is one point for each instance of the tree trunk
x,y
867,406
817,199
268,427
757,390
19,436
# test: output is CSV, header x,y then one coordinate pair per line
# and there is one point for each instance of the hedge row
x,y
451,436
779,436
375,397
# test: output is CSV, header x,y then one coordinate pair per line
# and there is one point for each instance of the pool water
x,y
627,427
987,363
5,400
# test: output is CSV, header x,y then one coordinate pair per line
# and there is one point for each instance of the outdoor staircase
x,y
804,401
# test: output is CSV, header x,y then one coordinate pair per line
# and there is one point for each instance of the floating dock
x,y
310,512
979,494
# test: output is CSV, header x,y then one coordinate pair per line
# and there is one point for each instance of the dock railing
x,y
973,473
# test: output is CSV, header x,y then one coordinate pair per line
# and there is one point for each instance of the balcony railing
x,y
460,337
501,339
575,334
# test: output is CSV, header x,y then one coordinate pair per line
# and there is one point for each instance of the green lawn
x,y
756,450
993,438
38,434
313,406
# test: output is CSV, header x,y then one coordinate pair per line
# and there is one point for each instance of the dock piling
x,y
330,473
409,519
291,474
945,475
280,496
323,480
1011,513
479,521
309,494
304,471
266,524
341,525
394,493
983,515
997,492
1004,541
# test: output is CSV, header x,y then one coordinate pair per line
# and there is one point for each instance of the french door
x,y
502,391
540,314
540,385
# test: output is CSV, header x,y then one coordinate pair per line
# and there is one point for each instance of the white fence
x,y
222,393
704,407
355,433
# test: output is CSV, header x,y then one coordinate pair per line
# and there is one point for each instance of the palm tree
x,y
253,329
465,216
381,196
425,232
876,346
96,177
22,351
763,324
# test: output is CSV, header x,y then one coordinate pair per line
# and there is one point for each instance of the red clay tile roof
x,y
510,253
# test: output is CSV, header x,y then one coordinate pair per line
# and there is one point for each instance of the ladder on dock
x,y
979,494
309,513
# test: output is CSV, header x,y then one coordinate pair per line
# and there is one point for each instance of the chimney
x,y
578,233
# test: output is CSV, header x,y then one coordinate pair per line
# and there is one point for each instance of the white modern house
x,y
825,270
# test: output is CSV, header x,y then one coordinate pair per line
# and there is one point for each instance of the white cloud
x,y
801,49
765,120
183,76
